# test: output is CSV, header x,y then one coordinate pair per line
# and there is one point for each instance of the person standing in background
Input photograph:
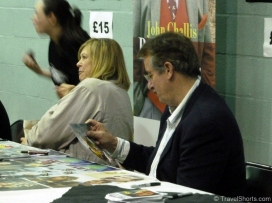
x,y
4,123
189,17
62,24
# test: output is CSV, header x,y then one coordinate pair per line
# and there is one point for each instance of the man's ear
x,y
169,69
52,19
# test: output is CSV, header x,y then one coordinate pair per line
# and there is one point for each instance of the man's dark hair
x,y
174,48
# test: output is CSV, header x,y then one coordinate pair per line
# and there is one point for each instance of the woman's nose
x,y
78,64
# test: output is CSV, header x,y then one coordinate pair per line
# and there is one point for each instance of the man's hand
x,y
101,136
64,89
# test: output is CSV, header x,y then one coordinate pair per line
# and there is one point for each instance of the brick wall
x,y
243,75
23,93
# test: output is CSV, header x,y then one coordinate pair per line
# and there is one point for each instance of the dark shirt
x,y
64,58
4,123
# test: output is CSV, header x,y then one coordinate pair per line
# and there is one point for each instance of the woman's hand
x,y
31,63
23,141
64,89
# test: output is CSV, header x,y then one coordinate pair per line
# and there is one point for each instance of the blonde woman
x,y
101,95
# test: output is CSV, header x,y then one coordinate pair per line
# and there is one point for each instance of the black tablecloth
x,y
96,194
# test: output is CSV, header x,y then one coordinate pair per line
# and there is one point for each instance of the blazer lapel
x,y
187,109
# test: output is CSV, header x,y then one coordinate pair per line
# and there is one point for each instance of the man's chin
x,y
161,100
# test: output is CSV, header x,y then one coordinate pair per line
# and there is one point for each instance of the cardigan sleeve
x,y
53,130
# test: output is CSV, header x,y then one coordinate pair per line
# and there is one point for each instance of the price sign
x,y
101,25
267,45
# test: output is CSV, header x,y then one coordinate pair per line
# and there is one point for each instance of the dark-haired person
x,y
62,24
199,143
5,131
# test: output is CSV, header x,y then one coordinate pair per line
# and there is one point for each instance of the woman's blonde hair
x,y
108,61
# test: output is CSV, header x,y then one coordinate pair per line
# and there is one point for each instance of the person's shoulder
x,y
71,42
78,41
94,82
89,81
210,103
208,92
88,85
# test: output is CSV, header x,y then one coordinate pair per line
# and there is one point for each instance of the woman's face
x,y
40,20
85,64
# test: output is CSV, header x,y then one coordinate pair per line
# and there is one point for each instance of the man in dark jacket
x,y
199,143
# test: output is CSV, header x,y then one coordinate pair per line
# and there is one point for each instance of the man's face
x,y
157,82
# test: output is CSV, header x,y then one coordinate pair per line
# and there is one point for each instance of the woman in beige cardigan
x,y
101,95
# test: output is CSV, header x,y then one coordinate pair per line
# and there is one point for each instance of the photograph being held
x,y
101,95
62,23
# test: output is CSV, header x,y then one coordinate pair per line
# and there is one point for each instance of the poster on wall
x,y
193,18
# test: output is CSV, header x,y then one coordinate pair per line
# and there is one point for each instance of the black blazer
x,y
205,152
5,131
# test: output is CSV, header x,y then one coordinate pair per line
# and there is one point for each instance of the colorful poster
x,y
22,171
57,172
193,18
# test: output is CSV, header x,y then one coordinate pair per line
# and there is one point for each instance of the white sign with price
x,y
101,25
267,45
